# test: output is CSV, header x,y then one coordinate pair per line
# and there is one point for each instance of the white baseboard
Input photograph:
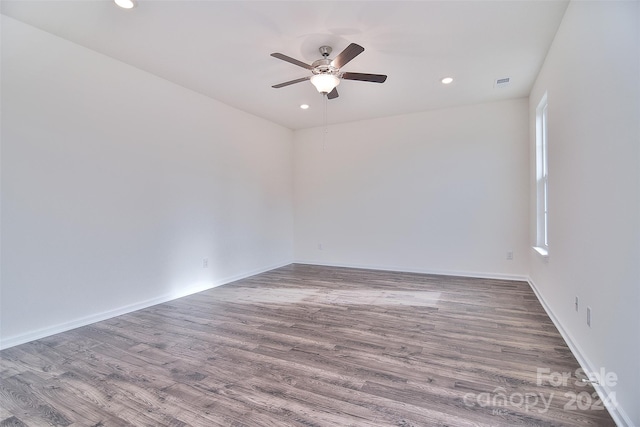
x,y
480,275
83,321
617,412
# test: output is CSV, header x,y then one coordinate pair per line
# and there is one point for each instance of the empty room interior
x,y
318,213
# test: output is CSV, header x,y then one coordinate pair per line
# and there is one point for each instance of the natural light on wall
x,y
125,4
179,290
542,179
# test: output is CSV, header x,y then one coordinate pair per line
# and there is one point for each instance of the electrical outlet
x,y
589,316
510,255
205,262
577,304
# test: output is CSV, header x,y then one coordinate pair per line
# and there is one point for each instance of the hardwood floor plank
x,y
55,390
307,346
17,395
12,422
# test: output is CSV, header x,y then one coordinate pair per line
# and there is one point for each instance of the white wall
x,y
116,184
592,76
439,191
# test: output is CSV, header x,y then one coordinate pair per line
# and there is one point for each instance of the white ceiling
x,y
222,49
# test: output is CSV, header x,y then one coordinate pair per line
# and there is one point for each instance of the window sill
x,y
541,251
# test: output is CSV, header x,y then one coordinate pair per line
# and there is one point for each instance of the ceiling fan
x,y
326,72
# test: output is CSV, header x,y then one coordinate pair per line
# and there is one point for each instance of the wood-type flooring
x,y
309,346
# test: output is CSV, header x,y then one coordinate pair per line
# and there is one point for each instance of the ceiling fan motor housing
x,y
324,65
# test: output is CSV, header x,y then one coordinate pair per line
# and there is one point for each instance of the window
x,y
542,179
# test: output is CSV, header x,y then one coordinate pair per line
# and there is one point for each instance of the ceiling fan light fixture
x,y
325,83
125,4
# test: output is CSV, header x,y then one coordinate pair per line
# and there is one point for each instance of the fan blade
x,y
278,86
347,55
292,60
333,94
375,78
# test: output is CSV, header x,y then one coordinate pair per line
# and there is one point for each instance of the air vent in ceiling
x,y
502,82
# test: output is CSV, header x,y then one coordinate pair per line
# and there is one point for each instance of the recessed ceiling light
x,y
304,106
125,4
447,80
